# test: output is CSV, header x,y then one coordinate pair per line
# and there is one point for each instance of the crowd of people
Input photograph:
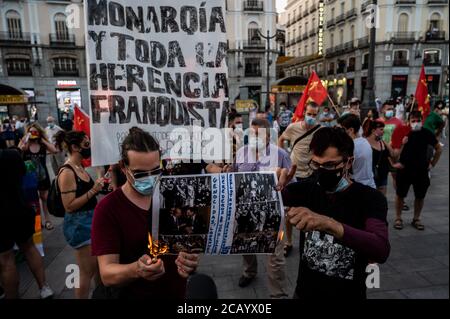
x,y
329,167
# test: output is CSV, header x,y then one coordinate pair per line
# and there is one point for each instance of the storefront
x,y
399,86
288,91
68,95
13,102
433,75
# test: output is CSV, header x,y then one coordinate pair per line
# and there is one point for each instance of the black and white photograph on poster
x,y
184,212
220,214
258,214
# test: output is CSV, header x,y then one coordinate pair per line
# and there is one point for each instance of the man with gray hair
x,y
57,159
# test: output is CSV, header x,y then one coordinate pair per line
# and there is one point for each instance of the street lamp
x,y
369,92
269,62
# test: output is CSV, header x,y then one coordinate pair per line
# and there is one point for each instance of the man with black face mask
x,y
343,223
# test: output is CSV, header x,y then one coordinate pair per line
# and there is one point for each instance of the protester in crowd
x,y
299,135
355,104
383,154
261,155
379,104
434,121
57,159
400,109
7,133
78,194
35,146
362,163
443,110
66,122
343,223
372,115
326,118
413,168
121,226
17,227
284,118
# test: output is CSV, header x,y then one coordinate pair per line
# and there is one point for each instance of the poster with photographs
x,y
221,214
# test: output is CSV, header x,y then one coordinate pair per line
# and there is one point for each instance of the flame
x,y
281,236
155,248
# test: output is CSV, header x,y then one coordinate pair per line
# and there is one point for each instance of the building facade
x,y
409,33
247,50
42,57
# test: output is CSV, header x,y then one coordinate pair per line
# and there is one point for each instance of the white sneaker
x,y
46,292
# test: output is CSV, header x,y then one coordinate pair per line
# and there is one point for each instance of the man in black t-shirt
x,y
413,169
342,223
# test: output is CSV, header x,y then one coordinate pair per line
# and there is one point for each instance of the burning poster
x,y
222,214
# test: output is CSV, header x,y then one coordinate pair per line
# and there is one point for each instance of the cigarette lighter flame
x,y
280,238
155,248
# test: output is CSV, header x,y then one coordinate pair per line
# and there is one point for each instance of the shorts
x,y
382,180
16,229
419,179
77,228
44,185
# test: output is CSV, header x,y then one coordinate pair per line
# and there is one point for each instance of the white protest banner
x,y
158,65
219,214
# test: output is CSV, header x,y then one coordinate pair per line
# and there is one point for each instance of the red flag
x,y
422,97
314,92
81,123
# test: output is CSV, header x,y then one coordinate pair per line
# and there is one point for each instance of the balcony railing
x,y
329,51
365,5
253,73
19,72
305,36
404,37
61,72
339,48
15,37
64,39
405,2
400,62
253,44
331,23
313,8
348,46
437,2
363,42
252,5
351,13
435,35
340,18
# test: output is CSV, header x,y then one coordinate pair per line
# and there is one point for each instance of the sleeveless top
x,y
82,188
381,159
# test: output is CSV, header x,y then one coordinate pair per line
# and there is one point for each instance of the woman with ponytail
x,y
78,194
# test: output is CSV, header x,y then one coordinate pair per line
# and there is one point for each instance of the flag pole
x,y
334,106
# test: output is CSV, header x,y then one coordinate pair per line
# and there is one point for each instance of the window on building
x,y
306,50
61,29
331,68
401,58
313,47
332,13
403,22
432,57
18,67
435,28
253,67
320,69
14,25
253,35
342,7
331,40
365,62
306,27
352,33
65,66
351,64
341,36
305,71
353,4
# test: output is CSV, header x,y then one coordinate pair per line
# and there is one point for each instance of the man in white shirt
x,y
400,110
362,165
57,159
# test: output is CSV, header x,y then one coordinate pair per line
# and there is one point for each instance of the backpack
x,y
54,201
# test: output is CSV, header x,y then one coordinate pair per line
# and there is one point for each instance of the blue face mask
x,y
389,114
310,120
146,185
343,184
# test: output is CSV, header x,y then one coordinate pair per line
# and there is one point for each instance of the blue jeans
x,y
77,228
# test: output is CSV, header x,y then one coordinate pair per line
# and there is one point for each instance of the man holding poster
x,y
122,223
261,155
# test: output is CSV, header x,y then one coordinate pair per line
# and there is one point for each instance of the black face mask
x,y
329,179
85,153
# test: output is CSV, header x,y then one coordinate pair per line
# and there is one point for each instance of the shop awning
x,y
10,95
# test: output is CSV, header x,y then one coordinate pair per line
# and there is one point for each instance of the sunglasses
x,y
141,174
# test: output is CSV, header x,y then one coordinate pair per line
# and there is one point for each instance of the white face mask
x,y
256,144
239,127
416,127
